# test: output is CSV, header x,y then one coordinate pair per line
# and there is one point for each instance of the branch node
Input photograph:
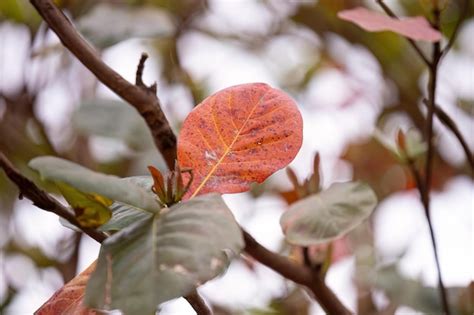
x,y
154,88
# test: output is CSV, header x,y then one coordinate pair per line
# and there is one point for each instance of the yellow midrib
x,y
227,150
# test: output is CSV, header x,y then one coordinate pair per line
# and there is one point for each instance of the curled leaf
x,y
239,135
91,210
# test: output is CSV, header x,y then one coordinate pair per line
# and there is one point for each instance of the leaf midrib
x,y
228,148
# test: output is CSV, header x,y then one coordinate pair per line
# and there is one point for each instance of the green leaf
x,y
87,181
328,215
91,210
124,215
113,119
165,256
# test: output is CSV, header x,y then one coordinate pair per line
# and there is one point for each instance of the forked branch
x,y
42,199
418,50
300,274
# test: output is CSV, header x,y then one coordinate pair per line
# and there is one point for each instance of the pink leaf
x,y
416,28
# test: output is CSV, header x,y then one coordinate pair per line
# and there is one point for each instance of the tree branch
x,y
432,84
42,199
143,99
462,15
424,187
451,125
410,41
198,303
298,273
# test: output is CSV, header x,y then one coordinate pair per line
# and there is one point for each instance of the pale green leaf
x,y
328,215
113,119
124,215
165,256
108,24
85,180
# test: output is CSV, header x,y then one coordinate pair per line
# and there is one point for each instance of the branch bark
x,y
462,16
298,273
425,186
410,41
198,303
42,199
432,84
451,125
142,98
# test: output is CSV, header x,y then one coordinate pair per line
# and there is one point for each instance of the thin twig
x,y
462,16
451,125
410,41
42,199
198,303
432,84
140,68
424,187
139,75
144,100
298,273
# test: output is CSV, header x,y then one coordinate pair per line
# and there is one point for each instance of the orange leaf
x,y
68,299
416,28
239,135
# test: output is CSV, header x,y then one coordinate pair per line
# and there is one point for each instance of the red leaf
x,y
416,28
239,135
68,299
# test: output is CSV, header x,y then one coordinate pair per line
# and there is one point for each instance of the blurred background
x,y
353,88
